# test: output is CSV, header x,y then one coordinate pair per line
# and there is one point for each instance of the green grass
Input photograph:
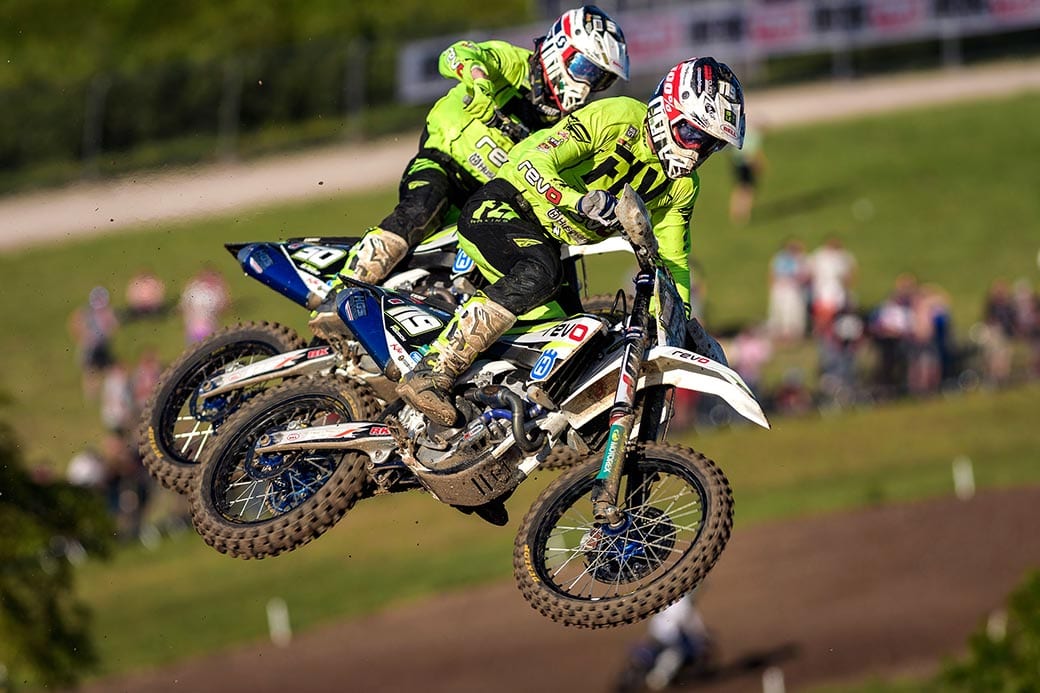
x,y
957,214
957,210
393,549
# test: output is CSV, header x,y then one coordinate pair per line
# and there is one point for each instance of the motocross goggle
x,y
689,136
587,72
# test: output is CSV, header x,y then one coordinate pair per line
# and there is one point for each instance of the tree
x,y
44,628
1007,662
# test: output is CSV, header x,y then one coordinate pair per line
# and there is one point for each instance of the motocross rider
x,y
461,148
559,186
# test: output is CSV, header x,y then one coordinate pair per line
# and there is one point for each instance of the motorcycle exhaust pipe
x,y
498,396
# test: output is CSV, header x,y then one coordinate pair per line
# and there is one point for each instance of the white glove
x,y
599,206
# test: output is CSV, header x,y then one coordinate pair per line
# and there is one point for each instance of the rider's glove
x,y
599,206
481,104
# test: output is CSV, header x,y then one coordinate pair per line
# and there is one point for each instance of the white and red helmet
x,y
696,110
583,52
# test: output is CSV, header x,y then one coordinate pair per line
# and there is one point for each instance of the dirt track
x,y
149,199
883,591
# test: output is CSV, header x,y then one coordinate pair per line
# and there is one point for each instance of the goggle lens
x,y
584,70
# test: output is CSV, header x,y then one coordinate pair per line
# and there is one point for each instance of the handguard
x,y
635,222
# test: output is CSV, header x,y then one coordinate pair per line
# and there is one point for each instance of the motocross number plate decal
x,y
414,321
318,256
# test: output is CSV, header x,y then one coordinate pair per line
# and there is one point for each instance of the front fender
x,y
689,371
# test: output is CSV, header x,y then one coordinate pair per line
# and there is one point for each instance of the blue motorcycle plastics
x,y
270,264
382,320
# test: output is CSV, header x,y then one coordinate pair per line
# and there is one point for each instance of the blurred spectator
x,y
749,163
128,486
203,301
890,326
748,354
838,348
792,397
924,357
117,401
942,321
832,271
145,295
998,327
92,327
788,275
87,469
1026,303
145,377
676,639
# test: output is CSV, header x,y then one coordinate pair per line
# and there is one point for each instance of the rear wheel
x,y
175,427
250,506
677,515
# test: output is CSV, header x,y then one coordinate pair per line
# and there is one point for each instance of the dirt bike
x,y
615,539
215,377
179,419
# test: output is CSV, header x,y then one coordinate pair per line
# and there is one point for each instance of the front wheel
x,y
678,513
253,506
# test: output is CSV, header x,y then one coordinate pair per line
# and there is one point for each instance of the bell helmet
x,y
583,52
696,110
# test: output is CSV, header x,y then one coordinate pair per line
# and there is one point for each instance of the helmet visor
x,y
584,70
689,136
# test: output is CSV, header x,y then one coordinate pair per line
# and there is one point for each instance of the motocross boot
x,y
477,325
370,260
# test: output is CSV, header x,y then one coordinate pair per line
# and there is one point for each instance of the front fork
x,y
623,413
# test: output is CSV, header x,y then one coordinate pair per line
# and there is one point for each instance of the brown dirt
x,y
876,592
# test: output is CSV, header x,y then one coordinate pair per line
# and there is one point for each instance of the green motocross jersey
x,y
602,146
478,148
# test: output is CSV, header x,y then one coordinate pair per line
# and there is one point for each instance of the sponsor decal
x,y
561,226
535,179
576,332
379,431
689,356
730,117
544,365
291,436
611,454
477,162
315,353
578,131
357,306
463,263
496,155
